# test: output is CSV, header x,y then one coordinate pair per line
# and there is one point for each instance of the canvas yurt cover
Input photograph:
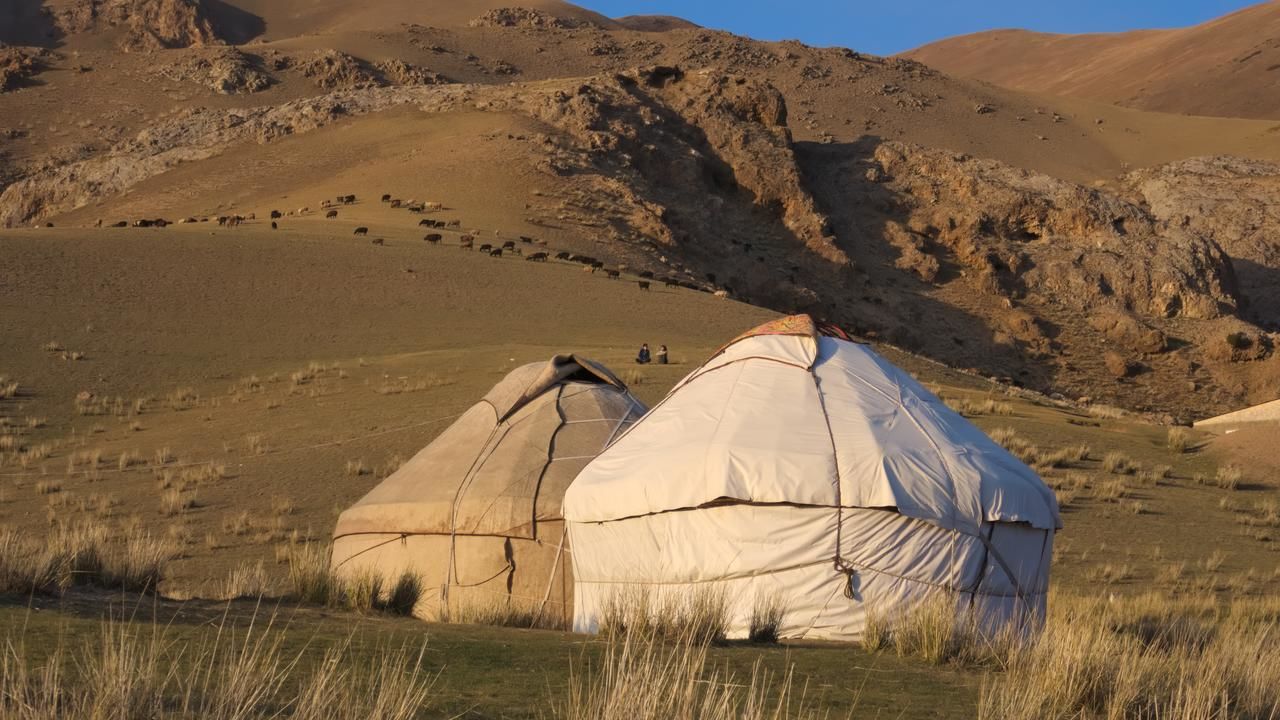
x,y
799,465
477,513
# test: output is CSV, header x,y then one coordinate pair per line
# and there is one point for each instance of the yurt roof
x,y
792,413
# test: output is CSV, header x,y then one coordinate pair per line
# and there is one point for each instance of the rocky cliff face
x,y
1234,203
145,24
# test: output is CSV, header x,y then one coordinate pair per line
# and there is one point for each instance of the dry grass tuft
x,y
1178,439
702,614
1229,477
81,554
767,614
1118,463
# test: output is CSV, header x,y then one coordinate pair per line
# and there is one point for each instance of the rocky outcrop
x,y
1019,233
520,17
146,24
1233,202
226,71
18,65
331,70
399,72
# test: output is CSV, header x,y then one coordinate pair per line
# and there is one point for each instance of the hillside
x,y
1227,67
988,229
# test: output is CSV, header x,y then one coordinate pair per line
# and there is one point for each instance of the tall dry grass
x,y
85,553
645,677
139,671
313,581
1143,657
702,614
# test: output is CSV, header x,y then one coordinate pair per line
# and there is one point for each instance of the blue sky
x,y
885,27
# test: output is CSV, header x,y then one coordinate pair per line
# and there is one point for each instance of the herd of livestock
x,y
466,241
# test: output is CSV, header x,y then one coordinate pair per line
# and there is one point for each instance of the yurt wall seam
x,y
835,458
551,454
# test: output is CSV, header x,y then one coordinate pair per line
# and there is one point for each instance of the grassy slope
x,y
486,672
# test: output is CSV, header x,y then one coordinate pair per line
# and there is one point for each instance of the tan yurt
x,y
477,513
801,469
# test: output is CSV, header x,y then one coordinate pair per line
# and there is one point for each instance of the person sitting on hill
x,y
643,357
662,354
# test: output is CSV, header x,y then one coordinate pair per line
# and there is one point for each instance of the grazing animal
x,y
467,238
433,238
361,231
348,199
276,215
537,257
386,197
122,223
415,208
563,256
647,274
722,294
612,274
509,245
671,282
234,220
222,219
644,285
465,242
142,223
597,264
526,239
274,226
331,214
379,241
433,206
304,210
160,222
324,204
486,247
496,252
426,223
588,269
454,224
395,203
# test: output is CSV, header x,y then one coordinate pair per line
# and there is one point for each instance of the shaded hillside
x,y
1227,67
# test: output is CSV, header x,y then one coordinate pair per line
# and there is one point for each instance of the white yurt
x,y
799,465
476,513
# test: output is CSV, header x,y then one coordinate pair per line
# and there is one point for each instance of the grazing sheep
x,y
467,238
671,282
588,269
526,239
722,294
348,199
386,197
644,285
647,274
426,223
125,223
612,274
331,214
160,222
395,203
361,231
304,210
537,257
234,221
378,241
509,245
325,204
486,247
454,224
142,223
274,226
433,206
415,208
563,255
496,252
465,242
276,215
597,265
433,238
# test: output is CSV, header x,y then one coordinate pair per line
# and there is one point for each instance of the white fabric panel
x,y
795,350
752,551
